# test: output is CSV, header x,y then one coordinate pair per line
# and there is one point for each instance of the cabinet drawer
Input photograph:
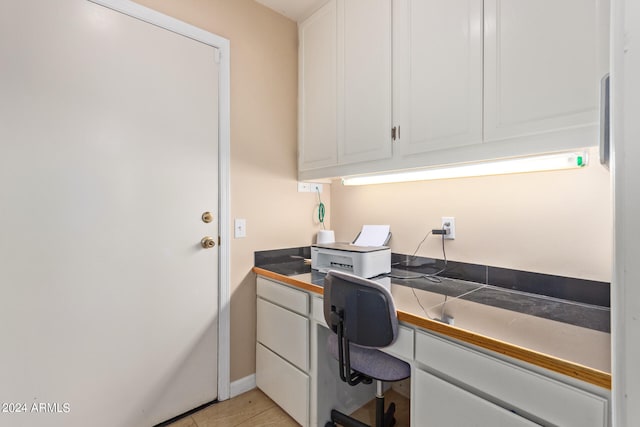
x,y
528,392
444,404
284,332
283,295
403,347
286,385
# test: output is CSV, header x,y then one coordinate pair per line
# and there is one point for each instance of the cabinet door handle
x,y
605,119
395,133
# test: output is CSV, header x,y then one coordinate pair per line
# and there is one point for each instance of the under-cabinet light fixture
x,y
546,162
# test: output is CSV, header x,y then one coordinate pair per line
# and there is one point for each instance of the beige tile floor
x,y
255,409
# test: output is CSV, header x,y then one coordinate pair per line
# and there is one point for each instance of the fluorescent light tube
x,y
540,163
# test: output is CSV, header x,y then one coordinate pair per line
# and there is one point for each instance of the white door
x,y
108,158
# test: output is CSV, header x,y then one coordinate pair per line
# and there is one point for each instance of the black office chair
x,y
362,315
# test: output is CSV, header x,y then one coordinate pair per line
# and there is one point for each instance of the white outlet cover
x,y
315,188
452,227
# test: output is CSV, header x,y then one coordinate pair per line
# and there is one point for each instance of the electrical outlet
x,y
315,188
449,224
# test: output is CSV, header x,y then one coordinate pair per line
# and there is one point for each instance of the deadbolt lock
x,y
207,217
207,242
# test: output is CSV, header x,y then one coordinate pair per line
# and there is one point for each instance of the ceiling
x,y
296,10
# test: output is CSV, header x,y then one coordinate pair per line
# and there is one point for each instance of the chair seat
x,y
371,362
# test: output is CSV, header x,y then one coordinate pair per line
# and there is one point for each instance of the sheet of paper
x,y
372,235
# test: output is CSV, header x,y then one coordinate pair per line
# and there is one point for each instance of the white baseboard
x,y
242,385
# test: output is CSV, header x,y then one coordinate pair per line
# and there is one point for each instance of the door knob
x,y
207,242
207,217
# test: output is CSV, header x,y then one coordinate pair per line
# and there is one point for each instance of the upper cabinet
x,y
317,90
345,84
447,81
364,80
541,67
437,74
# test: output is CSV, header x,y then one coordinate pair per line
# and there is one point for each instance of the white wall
x,y
625,86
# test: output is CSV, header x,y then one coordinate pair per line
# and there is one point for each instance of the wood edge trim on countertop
x,y
288,280
565,367
570,369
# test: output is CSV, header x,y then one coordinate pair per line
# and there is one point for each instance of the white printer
x,y
363,261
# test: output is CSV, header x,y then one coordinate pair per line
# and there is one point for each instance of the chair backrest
x,y
366,307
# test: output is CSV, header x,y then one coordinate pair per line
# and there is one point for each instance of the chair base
x,y
383,419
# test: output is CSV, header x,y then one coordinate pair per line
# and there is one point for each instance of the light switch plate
x,y
309,187
303,187
240,227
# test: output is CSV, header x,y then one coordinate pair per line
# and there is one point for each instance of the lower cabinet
x,y
282,348
444,404
497,391
453,384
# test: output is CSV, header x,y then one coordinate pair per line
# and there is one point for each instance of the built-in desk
x,y
506,367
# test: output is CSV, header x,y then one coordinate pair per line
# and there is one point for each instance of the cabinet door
x,y
445,404
317,72
437,73
541,68
364,80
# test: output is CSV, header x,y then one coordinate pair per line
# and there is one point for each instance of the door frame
x,y
224,136
625,132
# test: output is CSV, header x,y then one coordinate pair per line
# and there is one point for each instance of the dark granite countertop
x,y
571,312
570,330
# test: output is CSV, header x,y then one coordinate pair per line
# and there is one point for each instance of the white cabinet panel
x,y
550,400
283,383
317,130
364,80
437,73
284,332
444,404
283,295
317,309
541,70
